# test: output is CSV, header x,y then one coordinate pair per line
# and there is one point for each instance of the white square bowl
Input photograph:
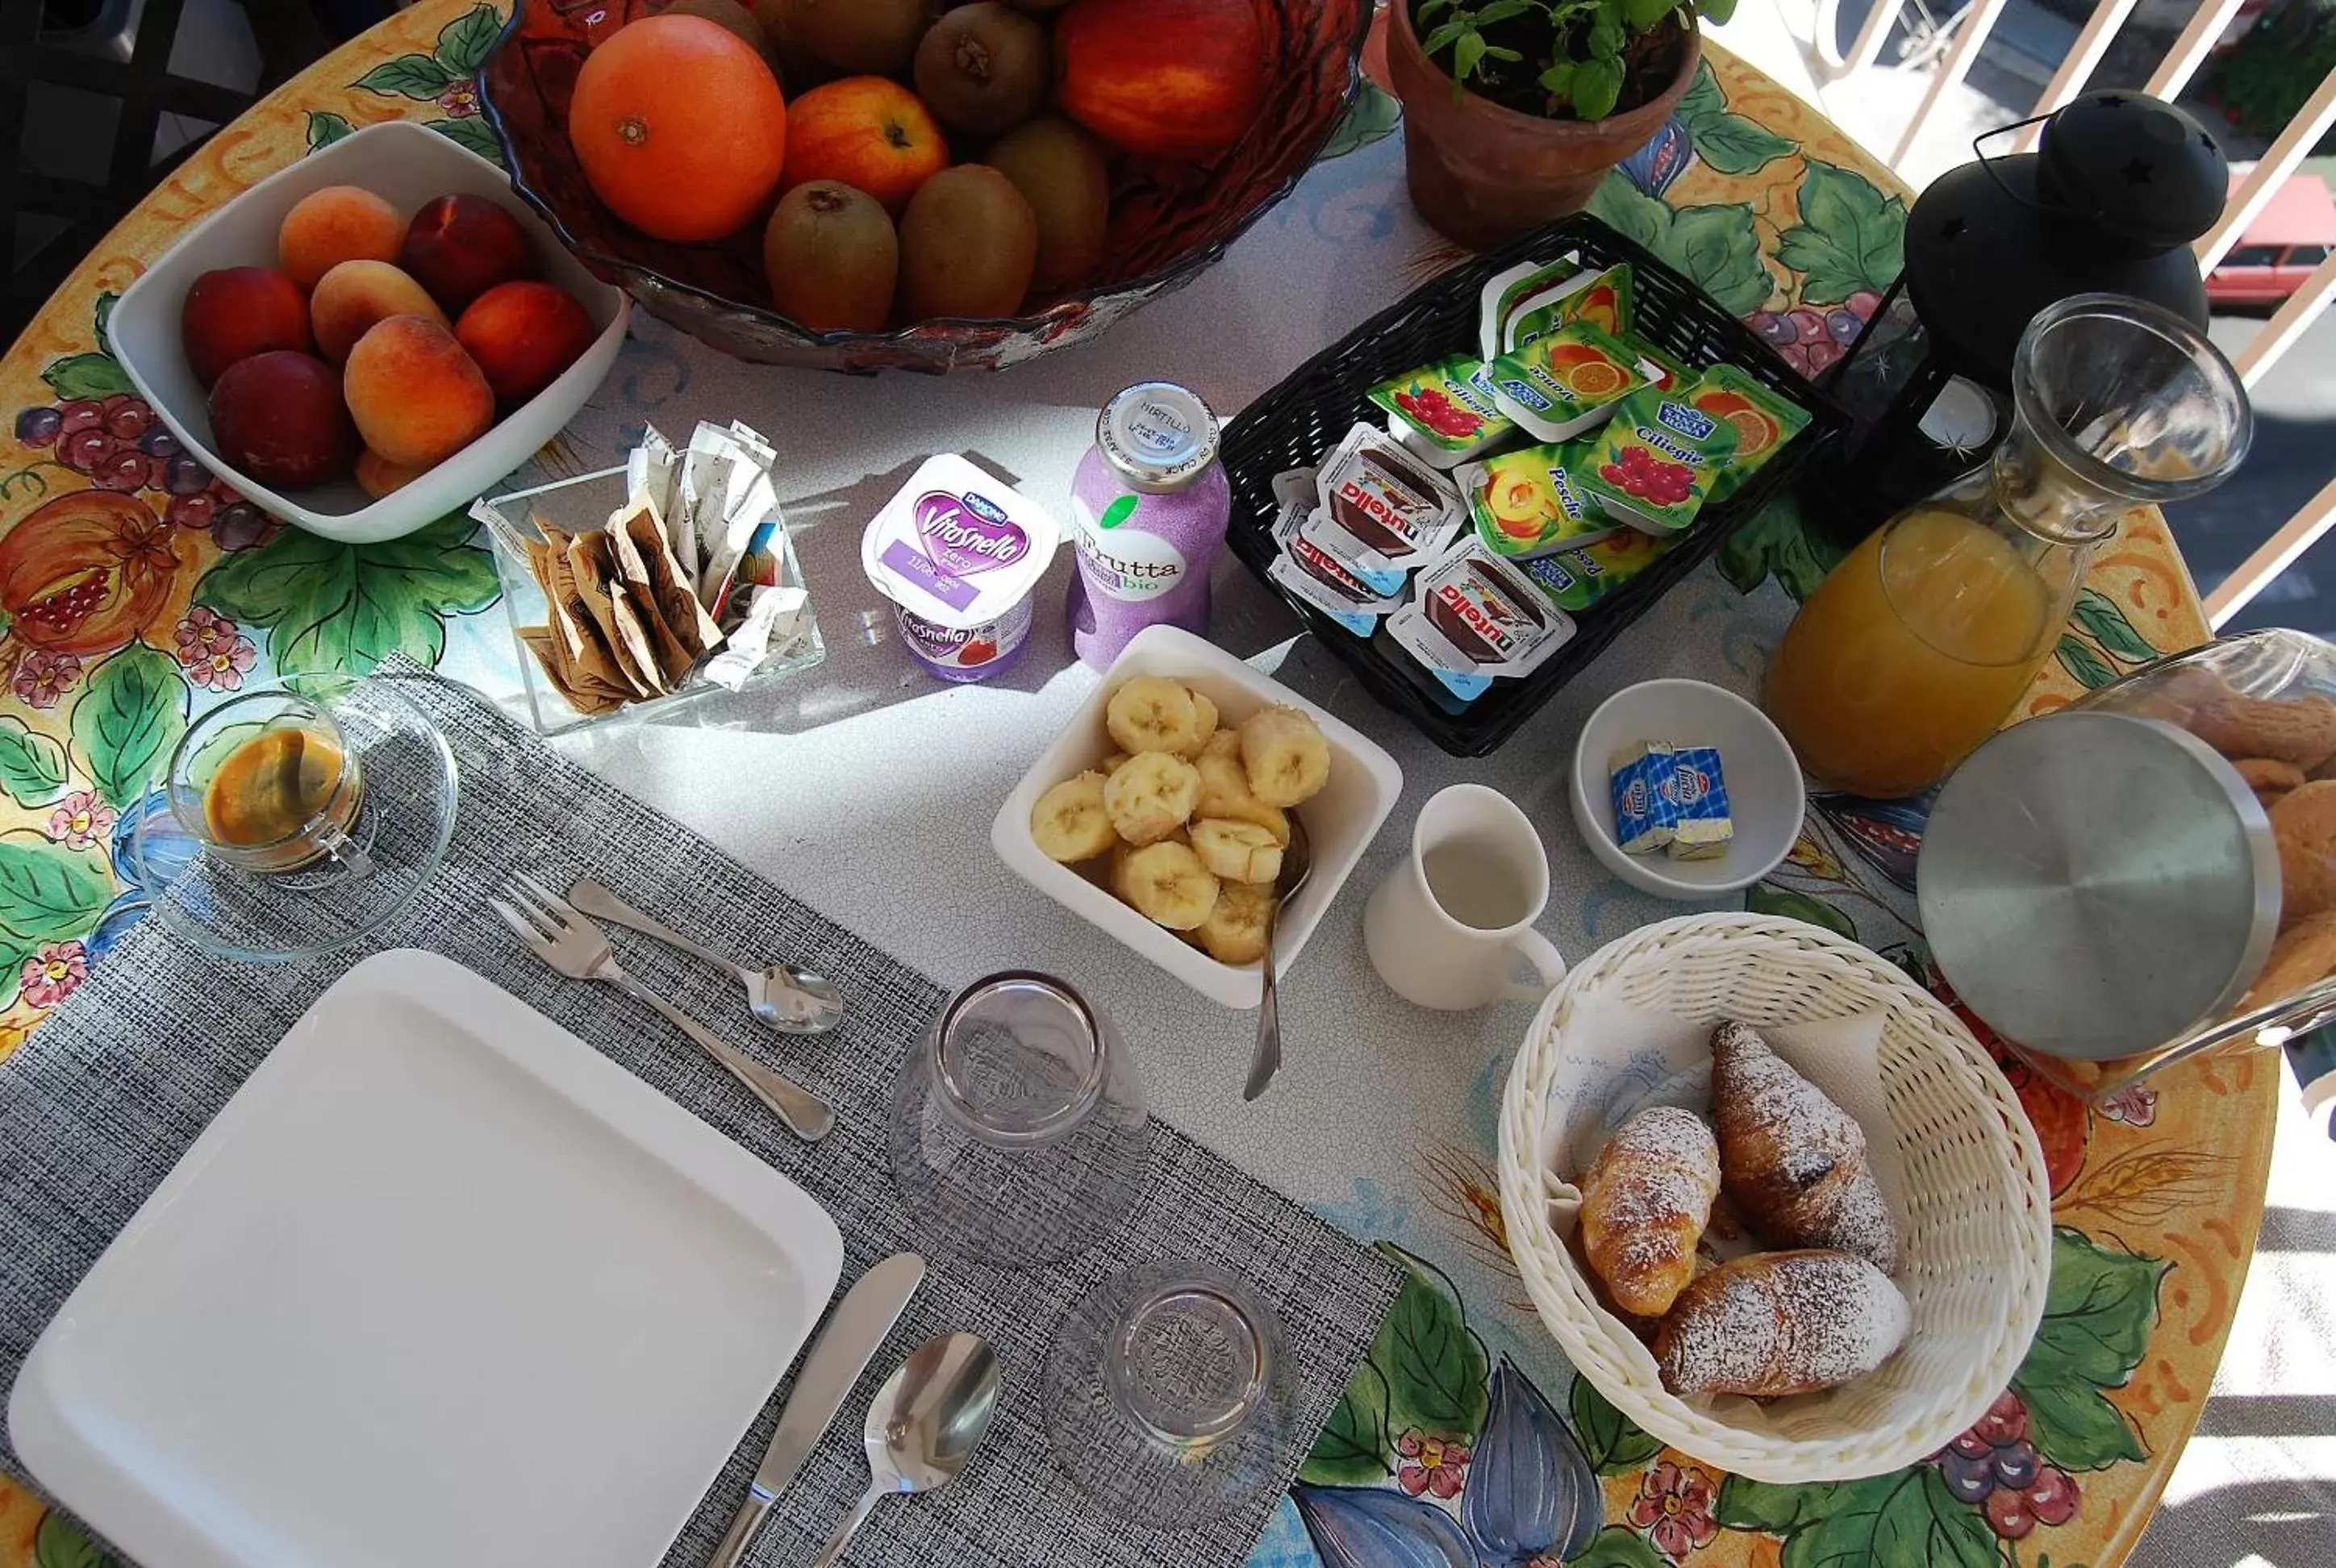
x,y
1341,822
405,164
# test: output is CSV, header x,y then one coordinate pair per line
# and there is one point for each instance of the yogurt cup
x,y
958,552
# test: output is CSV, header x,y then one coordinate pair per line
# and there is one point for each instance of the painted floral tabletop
x,y
137,590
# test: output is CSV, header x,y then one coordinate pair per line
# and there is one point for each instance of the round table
x,y
1383,1118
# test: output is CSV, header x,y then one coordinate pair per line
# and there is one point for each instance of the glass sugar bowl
x,y
1018,1131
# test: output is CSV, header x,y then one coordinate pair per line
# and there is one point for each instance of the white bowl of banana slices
x,y
1161,813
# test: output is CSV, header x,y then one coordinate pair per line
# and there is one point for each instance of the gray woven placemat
x,y
96,1108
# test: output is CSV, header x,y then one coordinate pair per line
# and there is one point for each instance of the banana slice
x,y
1111,763
1238,852
1069,823
1168,886
1153,713
1208,712
1225,792
1234,933
1286,758
1151,796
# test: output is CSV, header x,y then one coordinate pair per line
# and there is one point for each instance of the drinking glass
x,y
1167,1395
1018,1135
1918,646
268,784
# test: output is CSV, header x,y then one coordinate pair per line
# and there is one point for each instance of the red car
x,y
2290,237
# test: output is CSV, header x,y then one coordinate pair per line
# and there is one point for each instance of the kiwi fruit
x,y
733,17
983,68
969,241
877,38
1059,170
831,258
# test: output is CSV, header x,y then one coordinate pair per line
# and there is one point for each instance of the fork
x,y
551,929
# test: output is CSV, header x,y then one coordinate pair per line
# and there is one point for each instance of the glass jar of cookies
x,y
2266,702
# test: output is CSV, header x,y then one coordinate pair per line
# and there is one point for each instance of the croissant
x,y
1644,1206
1776,1323
1793,1162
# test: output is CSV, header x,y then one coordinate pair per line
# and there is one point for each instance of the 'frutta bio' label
x,y
1133,564
1567,383
1652,467
1526,503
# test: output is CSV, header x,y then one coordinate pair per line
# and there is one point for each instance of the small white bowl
x,y
1341,822
1765,795
405,164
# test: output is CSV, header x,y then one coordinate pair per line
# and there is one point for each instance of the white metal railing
x,y
2190,49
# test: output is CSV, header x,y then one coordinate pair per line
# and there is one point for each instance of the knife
x,y
844,1347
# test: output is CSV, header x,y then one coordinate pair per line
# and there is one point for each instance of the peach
x,y
232,313
524,335
459,247
354,294
339,223
417,397
378,476
278,418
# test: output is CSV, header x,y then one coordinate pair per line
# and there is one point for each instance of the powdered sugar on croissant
x,y
1779,1323
1793,1162
1644,1206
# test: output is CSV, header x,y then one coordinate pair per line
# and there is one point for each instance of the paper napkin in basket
x,y
1616,1059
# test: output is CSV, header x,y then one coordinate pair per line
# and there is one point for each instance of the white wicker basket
x,y
1978,1229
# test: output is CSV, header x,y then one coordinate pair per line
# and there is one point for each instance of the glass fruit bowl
x,y
1169,220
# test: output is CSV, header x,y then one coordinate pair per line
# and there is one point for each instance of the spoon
x,y
1297,865
925,1422
791,1000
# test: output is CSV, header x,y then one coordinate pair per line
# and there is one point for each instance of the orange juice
x,y
1911,654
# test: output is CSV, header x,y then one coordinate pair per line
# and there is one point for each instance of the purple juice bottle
x,y
1151,504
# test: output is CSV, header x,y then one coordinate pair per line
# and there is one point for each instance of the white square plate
x,y
1341,822
441,1284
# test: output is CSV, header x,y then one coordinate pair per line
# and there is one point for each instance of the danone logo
x,y
968,533
1689,422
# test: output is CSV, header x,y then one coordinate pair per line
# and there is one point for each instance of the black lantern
x,y
2118,187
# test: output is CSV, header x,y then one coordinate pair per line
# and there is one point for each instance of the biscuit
x,y
2303,733
2269,777
2305,953
2303,824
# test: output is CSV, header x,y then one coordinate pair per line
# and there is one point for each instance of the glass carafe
x,y
1918,646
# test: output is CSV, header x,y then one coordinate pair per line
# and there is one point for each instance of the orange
x,y
1755,431
681,127
1595,380
867,132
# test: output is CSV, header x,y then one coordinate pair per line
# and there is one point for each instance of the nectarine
x,y
378,476
866,132
416,396
232,313
524,335
354,294
459,247
339,223
278,418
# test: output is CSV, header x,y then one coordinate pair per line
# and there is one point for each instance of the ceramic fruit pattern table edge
x,y
137,591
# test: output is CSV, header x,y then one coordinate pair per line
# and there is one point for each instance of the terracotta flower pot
x,y
1483,174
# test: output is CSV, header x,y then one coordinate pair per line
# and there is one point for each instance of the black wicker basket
x,y
1295,423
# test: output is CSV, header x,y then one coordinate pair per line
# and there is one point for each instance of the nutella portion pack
x,y
1383,511
1475,619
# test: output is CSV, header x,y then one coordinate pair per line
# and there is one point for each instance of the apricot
x,y
459,247
416,396
278,418
524,335
339,223
354,294
378,476
232,313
